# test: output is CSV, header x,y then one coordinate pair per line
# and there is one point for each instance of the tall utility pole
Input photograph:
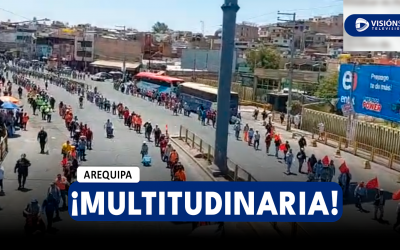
x,y
202,28
124,51
229,9
350,130
290,76
83,46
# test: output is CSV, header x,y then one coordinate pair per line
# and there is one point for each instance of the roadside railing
x,y
236,173
3,147
368,152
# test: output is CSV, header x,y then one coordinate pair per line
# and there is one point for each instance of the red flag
x,y
326,160
396,196
372,184
343,168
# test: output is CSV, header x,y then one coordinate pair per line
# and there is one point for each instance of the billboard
x,y
202,59
375,90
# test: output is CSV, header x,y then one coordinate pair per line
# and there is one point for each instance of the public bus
x,y
160,83
196,94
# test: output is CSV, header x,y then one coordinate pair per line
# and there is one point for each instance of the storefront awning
x,y
115,65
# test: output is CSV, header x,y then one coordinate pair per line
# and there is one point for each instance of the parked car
x,y
99,77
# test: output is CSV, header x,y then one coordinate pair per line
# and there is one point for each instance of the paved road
x,y
123,150
259,164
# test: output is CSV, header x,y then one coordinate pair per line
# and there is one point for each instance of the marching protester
x,y
42,139
21,167
317,171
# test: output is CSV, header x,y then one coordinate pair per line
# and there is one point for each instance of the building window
x,y
86,44
284,41
276,41
86,54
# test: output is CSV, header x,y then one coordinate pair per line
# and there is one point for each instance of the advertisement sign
x,y
375,90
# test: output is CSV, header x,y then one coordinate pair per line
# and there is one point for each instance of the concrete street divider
x,y
236,173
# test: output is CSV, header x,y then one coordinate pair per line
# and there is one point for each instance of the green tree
x,y
263,57
328,87
159,27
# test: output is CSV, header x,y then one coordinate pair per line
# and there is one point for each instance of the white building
x,y
84,47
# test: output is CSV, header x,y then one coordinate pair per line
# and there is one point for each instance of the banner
x,y
373,92
204,201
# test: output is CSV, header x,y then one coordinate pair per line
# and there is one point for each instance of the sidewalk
x,y
388,178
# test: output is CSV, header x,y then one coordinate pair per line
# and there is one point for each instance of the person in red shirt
x,y
163,146
89,139
84,130
126,116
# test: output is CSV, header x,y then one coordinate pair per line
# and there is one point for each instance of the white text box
x,y
97,174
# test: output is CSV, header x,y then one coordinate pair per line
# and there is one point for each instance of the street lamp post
x,y
229,9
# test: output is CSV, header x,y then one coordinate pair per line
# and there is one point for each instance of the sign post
x,y
349,108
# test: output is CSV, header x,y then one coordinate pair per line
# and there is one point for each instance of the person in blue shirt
x,y
251,135
203,117
81,149
317,169
360,193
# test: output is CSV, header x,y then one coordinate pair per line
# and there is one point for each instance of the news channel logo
x,y
372,25
204,201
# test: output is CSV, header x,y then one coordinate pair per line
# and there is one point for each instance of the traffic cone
x,y
166,130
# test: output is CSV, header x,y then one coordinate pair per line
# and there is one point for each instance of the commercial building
x,y
247,31
84,47
207,60
110,48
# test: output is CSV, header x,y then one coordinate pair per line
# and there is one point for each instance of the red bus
x,y
164,81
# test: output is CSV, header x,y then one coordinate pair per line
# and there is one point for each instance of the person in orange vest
x,y
277,141
173,158
246,132
25,119
179,173
134,122
139,124
62,183
68,119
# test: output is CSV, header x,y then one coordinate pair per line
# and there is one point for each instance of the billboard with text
x,y
373,89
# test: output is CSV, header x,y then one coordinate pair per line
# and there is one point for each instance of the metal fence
x,y
236,173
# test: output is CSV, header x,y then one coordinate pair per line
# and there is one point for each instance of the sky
x,y
177,14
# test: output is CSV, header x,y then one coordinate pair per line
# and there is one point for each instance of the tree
x,y
328,87
263,57
159,27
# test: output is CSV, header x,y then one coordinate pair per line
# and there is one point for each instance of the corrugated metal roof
x,y
114,64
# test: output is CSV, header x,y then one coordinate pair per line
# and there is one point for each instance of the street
x,y
123,150
268,168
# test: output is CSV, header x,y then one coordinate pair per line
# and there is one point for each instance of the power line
x,y
12,13
293,10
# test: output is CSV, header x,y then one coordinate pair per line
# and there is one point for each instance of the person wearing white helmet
x,y
145,149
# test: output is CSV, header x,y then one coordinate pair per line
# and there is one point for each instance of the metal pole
x,y
229,9
124,51
124,62
350,116
83,46
292,50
